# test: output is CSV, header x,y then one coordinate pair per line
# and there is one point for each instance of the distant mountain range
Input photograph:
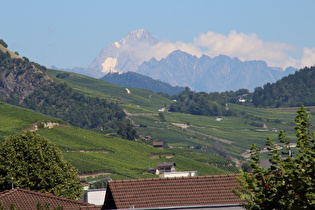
x,y
179,68
207,74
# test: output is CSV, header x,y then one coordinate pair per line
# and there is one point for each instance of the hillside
x,y
92,152
132,100
13,55
135,80
19,78
193,133
291,91
26,84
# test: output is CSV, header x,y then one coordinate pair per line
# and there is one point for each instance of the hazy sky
x,y
70,33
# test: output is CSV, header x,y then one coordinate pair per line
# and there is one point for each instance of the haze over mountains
x,y
141,53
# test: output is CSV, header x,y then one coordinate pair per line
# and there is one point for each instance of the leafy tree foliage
x,y
61,101
127,131
201,103
162,117
289,183
35,164
293,90
4,56
3,43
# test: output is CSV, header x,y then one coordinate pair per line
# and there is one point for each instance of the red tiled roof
x,y
172,192
26,199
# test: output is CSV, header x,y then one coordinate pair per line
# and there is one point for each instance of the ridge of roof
x,y
49,195
174,178
30,198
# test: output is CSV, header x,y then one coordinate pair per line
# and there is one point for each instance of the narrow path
x,y
212,137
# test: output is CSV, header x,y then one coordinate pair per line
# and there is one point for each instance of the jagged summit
x,y
123,55
138,35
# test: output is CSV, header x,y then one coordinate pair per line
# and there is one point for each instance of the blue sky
x,y
70,33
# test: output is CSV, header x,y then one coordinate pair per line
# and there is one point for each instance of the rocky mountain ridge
x,y
208,74
220,73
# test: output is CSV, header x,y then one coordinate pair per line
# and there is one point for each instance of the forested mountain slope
x,y
291,91
26,84
135,80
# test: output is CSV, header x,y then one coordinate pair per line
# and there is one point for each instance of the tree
x,y
289,183
126,131
162,117
3,43
35,164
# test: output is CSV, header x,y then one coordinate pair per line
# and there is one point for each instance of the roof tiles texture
x,y
172,192
26,199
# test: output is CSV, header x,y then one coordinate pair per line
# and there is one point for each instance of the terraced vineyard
x,y
235,133
93,152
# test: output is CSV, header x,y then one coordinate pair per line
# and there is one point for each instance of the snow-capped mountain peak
x,y
138,35
123,55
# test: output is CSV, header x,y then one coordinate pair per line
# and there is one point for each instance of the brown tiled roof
x,y
26,199
166,164
158,143
172,192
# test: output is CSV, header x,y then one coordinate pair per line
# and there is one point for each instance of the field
x,y
92,152
14,119
235,133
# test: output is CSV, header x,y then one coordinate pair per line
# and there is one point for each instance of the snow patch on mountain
x,y
109,65
117,44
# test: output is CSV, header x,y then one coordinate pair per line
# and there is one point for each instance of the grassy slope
x,y
235,135
13,55
147,100
93,152
14,119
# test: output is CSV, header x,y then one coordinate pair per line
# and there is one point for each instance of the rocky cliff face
x,y
20,77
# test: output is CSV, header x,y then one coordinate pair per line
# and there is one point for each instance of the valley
x,y
209,144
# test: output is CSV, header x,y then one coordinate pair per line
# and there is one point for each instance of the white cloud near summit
x,y
308,58
247,47
162,49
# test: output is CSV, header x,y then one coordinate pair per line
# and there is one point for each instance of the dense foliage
x,y
135,80
35,164
289,182
290,91
61,101
3,43
209,104
127,131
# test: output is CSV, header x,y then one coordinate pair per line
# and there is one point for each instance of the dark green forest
x,y
208,104
291,91
61,101
135,80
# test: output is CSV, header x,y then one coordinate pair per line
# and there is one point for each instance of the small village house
x,y
166,167
158,144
